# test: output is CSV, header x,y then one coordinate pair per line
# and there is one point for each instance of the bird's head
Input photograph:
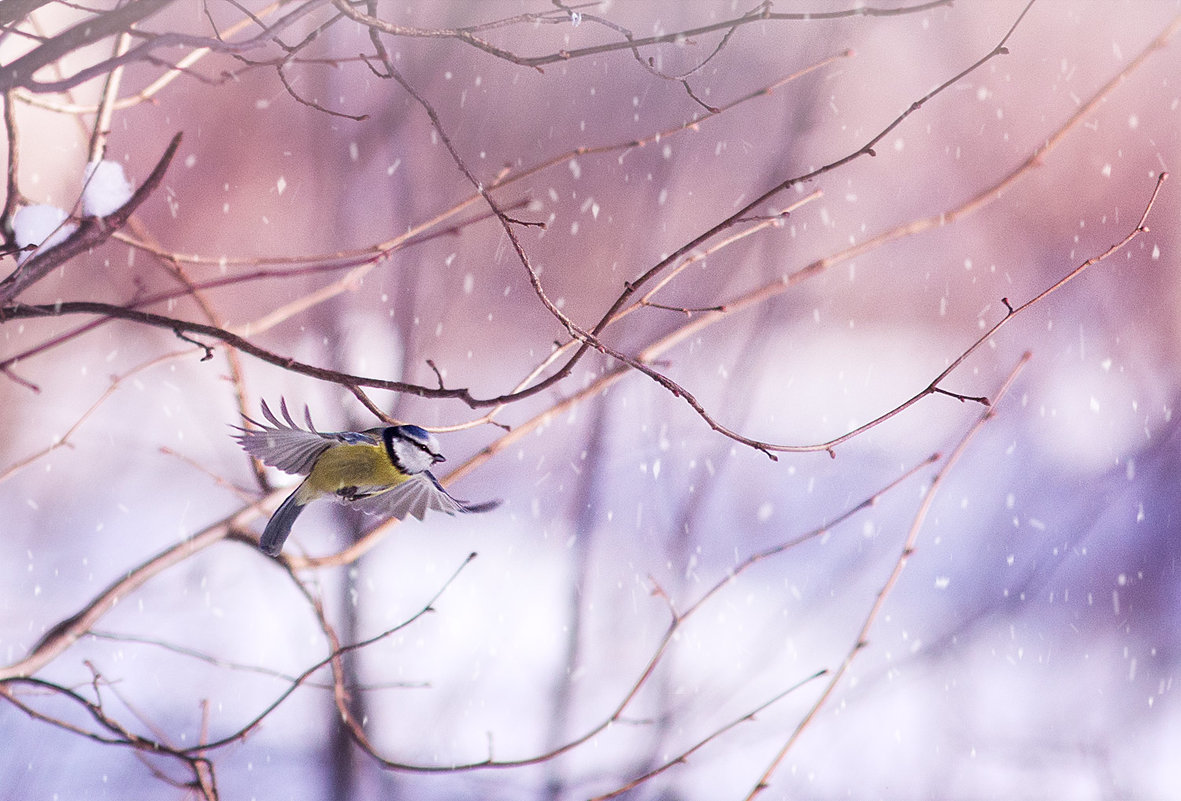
x,y
411,449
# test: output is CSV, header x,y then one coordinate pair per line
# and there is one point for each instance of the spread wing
x,y
414,497
288,447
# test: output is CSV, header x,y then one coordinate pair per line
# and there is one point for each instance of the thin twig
x,y
908,547
676,622
630,42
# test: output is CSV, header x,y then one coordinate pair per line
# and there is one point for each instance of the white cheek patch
x,y
411,458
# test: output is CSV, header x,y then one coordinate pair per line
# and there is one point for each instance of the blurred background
x,y
1027,650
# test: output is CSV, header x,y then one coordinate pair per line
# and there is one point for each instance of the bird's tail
x,y
485,506
279,526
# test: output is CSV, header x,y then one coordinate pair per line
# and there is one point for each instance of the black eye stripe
x,y
393,432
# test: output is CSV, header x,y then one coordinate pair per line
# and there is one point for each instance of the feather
x,y
414,497
279,526
287,447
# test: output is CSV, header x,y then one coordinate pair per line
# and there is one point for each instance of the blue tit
x,y
381,471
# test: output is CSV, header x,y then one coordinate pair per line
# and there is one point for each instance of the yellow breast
x,y
344,466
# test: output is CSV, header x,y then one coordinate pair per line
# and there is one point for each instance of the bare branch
x,y
468,36
908,548
67,632
94,29
117,734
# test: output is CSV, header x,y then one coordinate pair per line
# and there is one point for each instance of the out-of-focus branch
x,y
141,52
13,10
102,122
12,191
93,29
156,86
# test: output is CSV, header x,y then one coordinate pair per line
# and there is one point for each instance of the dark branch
x,y
93,29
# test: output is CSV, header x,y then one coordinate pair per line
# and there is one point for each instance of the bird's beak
x,y
438,457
